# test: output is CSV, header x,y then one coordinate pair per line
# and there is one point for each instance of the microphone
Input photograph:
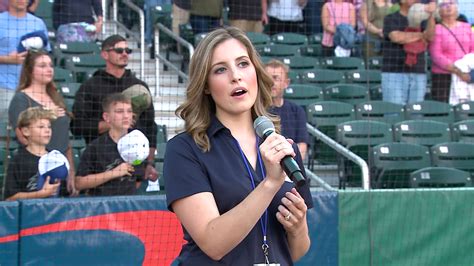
x,y
264,127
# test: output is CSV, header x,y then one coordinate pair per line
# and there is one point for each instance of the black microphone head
x,y
263,126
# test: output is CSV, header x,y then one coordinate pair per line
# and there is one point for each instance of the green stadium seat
x,y
380,111
313,50
258,38
162,134
301,63
368,77
463,131
430,110
65,50
464,111
186,32
277,50
358,136
62,75
374,62
455,155
303,94
375,92
325,116
289,38
315,38
198,38
68,90
343,63
422,132
348,93
81,65
440,177
322,77
392,163
77,143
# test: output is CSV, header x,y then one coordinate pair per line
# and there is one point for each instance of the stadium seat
x,y
343,63
68,90
358,136
81,65
423,132
374,62
69,103
186,32
322,77
62,75
380,111
162,14
348,93
368,77
463,131
301,63
440,177
277,50
325,116
162,134
431,110
289,38
44,9
313,50
258,38
315,38
198,37
375,92
392,163
455,155
464,111
303,94
65,50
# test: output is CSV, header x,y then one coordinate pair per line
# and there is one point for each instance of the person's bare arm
x,y
402,37
14,58
47,191
325,19
94,180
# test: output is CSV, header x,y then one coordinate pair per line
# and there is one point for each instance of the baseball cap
x,y
134,147
34,40
53,164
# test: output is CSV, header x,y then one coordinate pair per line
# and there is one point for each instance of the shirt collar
x,y
215,126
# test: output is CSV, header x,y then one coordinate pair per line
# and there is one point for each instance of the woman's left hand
x,y
292,212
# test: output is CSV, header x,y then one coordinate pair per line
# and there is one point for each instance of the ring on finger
x,y
287,218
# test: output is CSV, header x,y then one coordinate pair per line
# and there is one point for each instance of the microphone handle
x,y
293,170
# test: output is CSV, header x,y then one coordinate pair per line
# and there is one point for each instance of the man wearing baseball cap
x,y
87,109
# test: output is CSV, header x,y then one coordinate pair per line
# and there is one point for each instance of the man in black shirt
x,y
402,83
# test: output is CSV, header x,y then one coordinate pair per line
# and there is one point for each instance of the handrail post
x,y
344,151
141,15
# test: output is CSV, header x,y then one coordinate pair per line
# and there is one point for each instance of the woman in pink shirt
x,y
335,12
453,39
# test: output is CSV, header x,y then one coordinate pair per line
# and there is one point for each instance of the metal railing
x,y
345,152
139,37
162,28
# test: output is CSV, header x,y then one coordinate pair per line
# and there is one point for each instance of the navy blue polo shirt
x,y
293,121
188,170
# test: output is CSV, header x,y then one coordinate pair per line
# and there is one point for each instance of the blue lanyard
x,y
264,218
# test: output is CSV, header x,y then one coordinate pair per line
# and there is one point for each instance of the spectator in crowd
x,y
292,116
102,171
87,109
180,14
205,15
33,5
283,15
37,88
74,20
403,83
246,15
312,16
22,174
372,14
3,5
20,31
220,167
334,13
148,6
452,40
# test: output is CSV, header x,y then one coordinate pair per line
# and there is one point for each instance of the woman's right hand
x,y
273,150
48,189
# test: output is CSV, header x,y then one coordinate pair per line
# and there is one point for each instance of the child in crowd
x,y
22,175
102,170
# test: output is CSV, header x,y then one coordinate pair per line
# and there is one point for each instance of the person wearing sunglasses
x,y
115,78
